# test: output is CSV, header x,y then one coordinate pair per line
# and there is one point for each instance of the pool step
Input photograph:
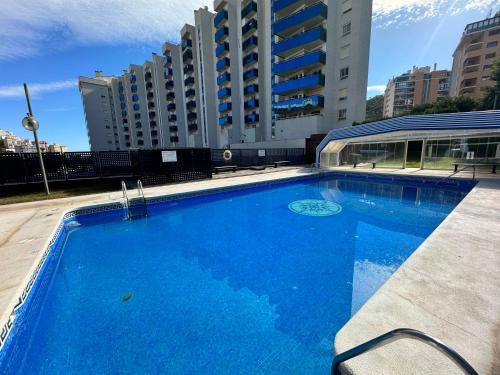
x,y
134,206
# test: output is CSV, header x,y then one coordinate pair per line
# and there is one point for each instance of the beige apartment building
x,y
473,58
415,87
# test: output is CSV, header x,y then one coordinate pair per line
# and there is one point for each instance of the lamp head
x,y
30,123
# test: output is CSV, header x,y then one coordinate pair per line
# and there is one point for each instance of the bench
x,y
372,163
225,168
283,162
474,165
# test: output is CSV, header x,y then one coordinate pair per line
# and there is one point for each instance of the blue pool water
x,y
240,282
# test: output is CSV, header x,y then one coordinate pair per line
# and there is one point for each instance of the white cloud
x,y
35,89
377,88
32,26
396,12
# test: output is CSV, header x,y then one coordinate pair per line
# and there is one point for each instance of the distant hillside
x,y
374,108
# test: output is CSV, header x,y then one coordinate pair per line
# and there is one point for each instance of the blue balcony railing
x,y
122,97
136,107
133,88
223,78
190,93
120,88
173,128
186,43
279,5
225,120
133,78
249,9
308,60
223,92
124,113
252,118
193,127
249,74
221,49
251,89
171,107
297,20
249,26
310,102
172,118
307,82
250,42
123,105
250,58
224,107
312,36
221,34
252,103
222,64
221,16
135,98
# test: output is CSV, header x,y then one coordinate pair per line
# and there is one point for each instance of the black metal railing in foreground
x,y
191,164
398,334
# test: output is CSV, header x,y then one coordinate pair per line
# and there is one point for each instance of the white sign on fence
x,y
169,156
262,152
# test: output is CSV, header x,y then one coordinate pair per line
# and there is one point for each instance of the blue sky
x,y
49,44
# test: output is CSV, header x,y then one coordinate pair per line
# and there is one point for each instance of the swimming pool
x,y
251,281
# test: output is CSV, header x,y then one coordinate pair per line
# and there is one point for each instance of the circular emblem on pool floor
x,y
315,207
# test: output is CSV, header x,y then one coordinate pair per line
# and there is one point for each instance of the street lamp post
x,y
30,123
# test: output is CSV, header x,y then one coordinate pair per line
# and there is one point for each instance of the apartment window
x,y
127,137
344,51
342,95
492,44
485,78
494,32
125,129
139,134
490,55
346,28
344,73
342,114
346,6
140,142
487,66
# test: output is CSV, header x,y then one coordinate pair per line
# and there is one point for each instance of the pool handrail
x,y
396,335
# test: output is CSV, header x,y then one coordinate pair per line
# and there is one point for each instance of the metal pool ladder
x,y
134,206
395,335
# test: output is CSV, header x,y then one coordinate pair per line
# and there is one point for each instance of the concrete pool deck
x,y
449,288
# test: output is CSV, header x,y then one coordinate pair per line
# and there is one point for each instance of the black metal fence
x,y
254,157
148,165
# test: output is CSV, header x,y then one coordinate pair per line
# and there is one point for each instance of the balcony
x,y
303,19
137,116
250,74
308,61
172,118
190,93
223,64
148,76
167,60
135,98
122,97
226,120
223,78
171,96
133,88
152,114
152,124
222,49
252,103
249,9
294,105
149,85
188,69
133,78
171,107
250,42
250,58
225,107
221,34
252,118
138,125
191,104
192,127
169,84
189,81
123,105
168,73
124,113
151,105
223,93
191,116
150,95
174,139
186,43
251,89
173,129
305,83
136,107
120,88
219,17
249,26
187,56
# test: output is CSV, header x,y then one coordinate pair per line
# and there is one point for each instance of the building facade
x,y
473,57
320,58
415,87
